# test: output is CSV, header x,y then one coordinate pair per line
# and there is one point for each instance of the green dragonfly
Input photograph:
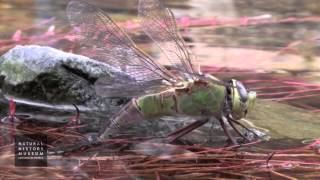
x,y
156,91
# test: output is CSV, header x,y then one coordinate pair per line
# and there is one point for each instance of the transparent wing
x,y
159,24
107,42
120,86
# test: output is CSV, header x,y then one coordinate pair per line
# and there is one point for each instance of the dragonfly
x,y
156,91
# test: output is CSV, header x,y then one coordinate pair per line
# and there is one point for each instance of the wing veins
x,y
117,34
152,13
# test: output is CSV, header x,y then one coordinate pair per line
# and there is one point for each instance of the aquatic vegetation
x,y
287,111
184,161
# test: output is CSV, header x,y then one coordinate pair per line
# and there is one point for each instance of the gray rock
x,y
50,75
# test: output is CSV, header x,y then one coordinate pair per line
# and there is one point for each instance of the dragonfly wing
x,y
110,87
107,42
160,25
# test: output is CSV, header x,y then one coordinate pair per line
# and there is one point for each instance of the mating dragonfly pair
x,y
186,92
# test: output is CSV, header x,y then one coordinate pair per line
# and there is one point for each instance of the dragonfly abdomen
x,y
160,104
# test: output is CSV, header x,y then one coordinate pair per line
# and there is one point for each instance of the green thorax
x,y
194,99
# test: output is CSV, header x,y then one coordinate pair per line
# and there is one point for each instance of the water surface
x,y
278,60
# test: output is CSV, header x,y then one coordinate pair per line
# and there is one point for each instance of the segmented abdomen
x,y
160,104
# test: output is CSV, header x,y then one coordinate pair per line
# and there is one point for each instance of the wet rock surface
x,y
45,82
46,74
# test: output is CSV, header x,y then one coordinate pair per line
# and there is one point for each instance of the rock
x,y
50,75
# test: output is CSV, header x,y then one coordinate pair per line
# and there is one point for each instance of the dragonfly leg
x,y
237,131
227,132
185,130
243,126
128,114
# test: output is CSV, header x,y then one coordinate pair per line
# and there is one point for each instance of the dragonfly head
x,y
241,99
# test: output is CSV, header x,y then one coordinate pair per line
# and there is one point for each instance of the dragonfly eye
x,y
242,91
241,99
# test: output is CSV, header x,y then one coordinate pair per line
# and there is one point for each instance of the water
x,y
278,60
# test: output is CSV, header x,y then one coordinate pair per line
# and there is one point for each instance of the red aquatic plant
x,y
11,119
114,160
53,34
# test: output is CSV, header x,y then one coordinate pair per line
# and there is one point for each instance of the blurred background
x,y
255,39
269,37
272,46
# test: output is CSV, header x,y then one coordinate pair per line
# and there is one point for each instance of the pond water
x,y
272,46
